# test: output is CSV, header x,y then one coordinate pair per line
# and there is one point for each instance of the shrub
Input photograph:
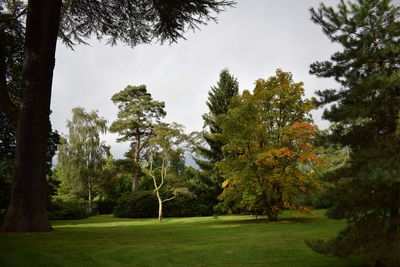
x,y
138,204
105,206
185,206
68,210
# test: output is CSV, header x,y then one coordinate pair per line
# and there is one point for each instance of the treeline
x,y
260,152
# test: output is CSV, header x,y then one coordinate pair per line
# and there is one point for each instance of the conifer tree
x,y
137,115
219,101
365,116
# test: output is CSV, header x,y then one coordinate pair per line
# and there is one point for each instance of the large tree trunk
x,y
27,210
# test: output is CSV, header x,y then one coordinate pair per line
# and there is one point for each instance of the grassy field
x,y
203,241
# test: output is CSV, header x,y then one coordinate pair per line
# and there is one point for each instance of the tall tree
x,y
131,22
12,50
210,150
269,156
219,101
365,116
81,153
137,115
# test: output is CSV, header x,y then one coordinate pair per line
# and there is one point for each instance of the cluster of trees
x,y
259,153
39,23
156,160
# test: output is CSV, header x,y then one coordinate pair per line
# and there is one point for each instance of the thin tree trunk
x,y
27,210
90,196
160,207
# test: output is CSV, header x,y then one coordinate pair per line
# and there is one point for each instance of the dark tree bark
x,y
27,210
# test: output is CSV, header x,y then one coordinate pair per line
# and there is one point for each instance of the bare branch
x,y
168,199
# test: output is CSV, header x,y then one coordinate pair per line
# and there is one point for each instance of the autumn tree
x,y
168,144
269,156
82,154
73,21
137,115
364,111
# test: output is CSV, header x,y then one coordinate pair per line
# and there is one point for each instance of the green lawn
x,y
203,241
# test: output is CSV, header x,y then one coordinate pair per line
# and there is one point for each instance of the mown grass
x,y
202,241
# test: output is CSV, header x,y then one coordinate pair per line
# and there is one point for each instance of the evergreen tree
x,y
210,152
365,117
12,50
219,101
137,115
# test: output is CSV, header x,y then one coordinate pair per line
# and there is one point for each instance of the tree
x,y
219,101
167,143
131,22
269,157
365,116
210,151
12,50
81,153
137,115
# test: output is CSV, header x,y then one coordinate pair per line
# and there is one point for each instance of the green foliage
x,y
270,158
137,204
219,101
169,144
105,206
135,22
67,210
81,153
365,117
137,115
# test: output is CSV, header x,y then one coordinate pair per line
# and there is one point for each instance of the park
x,y
200,132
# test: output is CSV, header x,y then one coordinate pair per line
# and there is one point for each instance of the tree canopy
x,y
138,114
81,153
268,147
365,116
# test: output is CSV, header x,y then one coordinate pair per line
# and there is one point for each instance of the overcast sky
x,y
252,41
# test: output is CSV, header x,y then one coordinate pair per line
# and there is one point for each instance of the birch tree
x,y
81,153
168,143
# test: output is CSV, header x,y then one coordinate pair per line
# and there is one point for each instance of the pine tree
x,y
365,117
138,113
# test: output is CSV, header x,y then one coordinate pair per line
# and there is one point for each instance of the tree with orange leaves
x,y
270,159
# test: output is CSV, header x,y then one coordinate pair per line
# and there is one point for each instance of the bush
x,y
68,210
144,204
105,206
138,204
185,206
